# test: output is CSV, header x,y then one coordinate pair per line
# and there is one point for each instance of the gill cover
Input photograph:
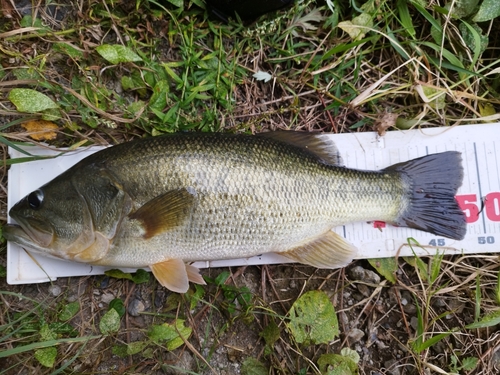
x,y
106,204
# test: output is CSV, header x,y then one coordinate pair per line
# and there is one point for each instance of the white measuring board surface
x,y
479,197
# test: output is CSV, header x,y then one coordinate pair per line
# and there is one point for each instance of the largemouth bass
x,y
163,202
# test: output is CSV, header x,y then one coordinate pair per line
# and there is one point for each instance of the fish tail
x,y
432,182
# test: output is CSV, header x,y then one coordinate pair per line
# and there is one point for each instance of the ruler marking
x,y
479,186
497,182
488,175
486,159
496,163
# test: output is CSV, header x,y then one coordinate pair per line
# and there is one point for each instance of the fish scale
x,y
266,210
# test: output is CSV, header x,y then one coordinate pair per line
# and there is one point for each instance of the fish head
x,y
73,217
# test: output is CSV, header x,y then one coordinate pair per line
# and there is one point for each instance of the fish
x,y
165,202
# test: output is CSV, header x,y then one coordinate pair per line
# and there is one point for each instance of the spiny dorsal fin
x,y
327,251
317,144
165,212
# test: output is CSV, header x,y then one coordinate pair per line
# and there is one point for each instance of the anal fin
x,y
327,251
175,275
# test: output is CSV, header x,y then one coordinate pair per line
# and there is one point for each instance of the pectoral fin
x,y
165,212
328,251
94,252
175,275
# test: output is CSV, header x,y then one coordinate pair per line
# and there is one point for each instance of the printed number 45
x,y
437,242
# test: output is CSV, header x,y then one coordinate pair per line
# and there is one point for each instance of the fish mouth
x,y
29,233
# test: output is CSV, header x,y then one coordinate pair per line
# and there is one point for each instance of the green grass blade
x,y
44,344
427,16
8,143
430,342
405,18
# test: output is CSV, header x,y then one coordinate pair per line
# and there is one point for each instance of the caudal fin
x,y
433,182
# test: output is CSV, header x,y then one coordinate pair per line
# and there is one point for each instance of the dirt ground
x,y
376,319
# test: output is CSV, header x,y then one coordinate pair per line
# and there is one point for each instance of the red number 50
x,y
468,203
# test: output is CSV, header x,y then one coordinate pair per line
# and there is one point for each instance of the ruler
x,y
479,197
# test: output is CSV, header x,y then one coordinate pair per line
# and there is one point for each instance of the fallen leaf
x,y
41,130
358,27
488,10
116,53
262,76
486,109
313,319
8,10
385,121
31,101
387,267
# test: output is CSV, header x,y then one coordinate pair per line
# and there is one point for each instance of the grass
x,y
109,71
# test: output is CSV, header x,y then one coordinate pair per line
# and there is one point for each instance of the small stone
x,y
344,318
439,302
414,322
183,362
456,306
358,296
135,307
55,290
356,334
409,307
392,367
104,282
364,290
381,345
159,298
107,298
495,359
394,295
360,274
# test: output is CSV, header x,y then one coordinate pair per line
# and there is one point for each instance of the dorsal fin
x,y
317,144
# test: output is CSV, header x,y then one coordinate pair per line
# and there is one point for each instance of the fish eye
x,y
35,199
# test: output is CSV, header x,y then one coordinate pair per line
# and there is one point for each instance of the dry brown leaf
x,y
384,122
7,9
41,130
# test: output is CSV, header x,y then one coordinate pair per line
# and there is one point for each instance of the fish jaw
x,y
25,238
39,232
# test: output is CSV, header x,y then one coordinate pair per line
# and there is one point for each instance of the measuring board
x,y
479,197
